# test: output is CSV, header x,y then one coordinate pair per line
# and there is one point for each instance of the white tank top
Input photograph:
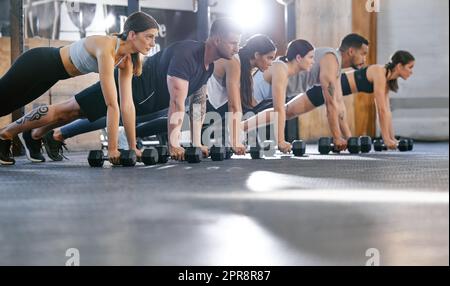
x,y
217,91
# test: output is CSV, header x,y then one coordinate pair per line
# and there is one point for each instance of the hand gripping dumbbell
x,y
355,145
96,158
410,142
258,152
403,145
326,146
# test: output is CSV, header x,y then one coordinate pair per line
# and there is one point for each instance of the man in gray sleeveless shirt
x,y
326,73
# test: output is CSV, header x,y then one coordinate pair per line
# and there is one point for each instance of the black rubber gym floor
x,y
317,210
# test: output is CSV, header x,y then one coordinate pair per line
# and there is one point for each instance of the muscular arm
x,y
178,89
343,119
328,81
197,111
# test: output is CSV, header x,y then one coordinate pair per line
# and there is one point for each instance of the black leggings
x,y
31,75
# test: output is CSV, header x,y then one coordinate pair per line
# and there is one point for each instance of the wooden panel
x,y
323,23
365,24
5,59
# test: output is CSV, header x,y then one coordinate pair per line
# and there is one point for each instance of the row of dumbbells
x,y
150,156
267,149
363,144
160,154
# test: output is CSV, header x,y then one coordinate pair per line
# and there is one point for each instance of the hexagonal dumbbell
x,y
403,145
96,158
299,148
150,156
218,153
366,144
193,155
325,145
410,144
163,154
354,145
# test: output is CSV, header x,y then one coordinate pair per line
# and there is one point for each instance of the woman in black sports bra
x,y
377,79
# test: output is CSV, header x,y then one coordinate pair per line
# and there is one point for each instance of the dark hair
x,y
223,27
295,48
399,57
256,44
353,41
137,22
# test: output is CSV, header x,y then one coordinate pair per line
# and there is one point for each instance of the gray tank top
x,y
304,81
262,90
82,60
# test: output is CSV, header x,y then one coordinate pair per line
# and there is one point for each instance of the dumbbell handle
x,y
385,148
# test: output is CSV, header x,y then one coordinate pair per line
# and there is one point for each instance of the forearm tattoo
x,y
331,89
34,115
198,99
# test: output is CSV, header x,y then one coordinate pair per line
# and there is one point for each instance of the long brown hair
x,y
400,57
262,45
137,22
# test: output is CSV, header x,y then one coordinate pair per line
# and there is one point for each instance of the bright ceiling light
x,y
249,14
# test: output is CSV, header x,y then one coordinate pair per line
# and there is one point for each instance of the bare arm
x,y
279,87
197,111
328,81
127,107
178,89
343,119
106,72
233,83
383,106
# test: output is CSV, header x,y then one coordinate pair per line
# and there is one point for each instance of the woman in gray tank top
x,y
273,84
39,69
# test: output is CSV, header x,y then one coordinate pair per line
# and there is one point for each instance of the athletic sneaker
x,y
53,147
33,148
5,153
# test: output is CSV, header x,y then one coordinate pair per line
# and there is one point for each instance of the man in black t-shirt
x,y
167,79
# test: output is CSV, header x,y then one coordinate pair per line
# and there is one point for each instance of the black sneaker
x,y
5,153
33,148
53,147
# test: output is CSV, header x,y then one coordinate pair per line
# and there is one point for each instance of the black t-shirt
x,y
184,60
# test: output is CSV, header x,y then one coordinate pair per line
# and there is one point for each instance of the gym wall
x,y
421,108
324,23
